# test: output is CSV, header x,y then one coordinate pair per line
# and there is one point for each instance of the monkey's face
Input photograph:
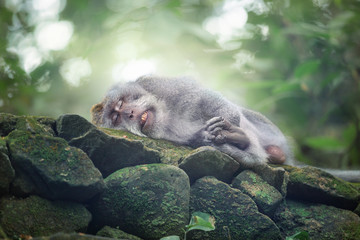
x,y
138,112
134,115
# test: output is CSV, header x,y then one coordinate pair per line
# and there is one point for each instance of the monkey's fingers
x,y
213,121
222,123
215,131
220,139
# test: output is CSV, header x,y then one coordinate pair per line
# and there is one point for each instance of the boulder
x,y
235,213
320,221
48,166
314,185
266,197
35,216
110,153
7,173
33,124
207,161
150,201
69,126
115,233
111,150
74,236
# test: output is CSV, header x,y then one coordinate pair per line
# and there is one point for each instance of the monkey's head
x,y
130,107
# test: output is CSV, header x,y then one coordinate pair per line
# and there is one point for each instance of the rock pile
x,y
65,176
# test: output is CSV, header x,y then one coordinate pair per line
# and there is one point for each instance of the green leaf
x,y
201,221
286,87
307,68
349,134
299,236
341,20
170,238
261,84
325,143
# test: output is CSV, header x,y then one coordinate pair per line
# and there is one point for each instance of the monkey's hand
x,y
222,131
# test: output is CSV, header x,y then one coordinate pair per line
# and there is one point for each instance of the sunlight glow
x,y
230,23
133,69
75,70
31,59
54,35
226,25
45,10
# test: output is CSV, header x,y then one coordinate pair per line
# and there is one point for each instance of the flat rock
x,y
110,154
69,126
74,236
235,213
7,173
266,197
48,166
320,221
149,201
33,124
115,233
314,185
78,131
207,161
35,216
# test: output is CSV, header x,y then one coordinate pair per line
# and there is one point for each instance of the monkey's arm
x,y
222,131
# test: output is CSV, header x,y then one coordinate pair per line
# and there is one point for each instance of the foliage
x,y
295,61
199,221
299,236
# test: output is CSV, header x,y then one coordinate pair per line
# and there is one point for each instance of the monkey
x,y
178,109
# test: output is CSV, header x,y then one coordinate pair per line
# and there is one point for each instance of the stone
x,y
149,201
73,236
110,154
69,126
320,221
274,175
314,185
34,124
115,233
7,123
235,213
266,197
35,216
48,166
207,161
7,173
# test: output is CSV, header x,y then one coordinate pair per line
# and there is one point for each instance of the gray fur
x,y
184,112
183,109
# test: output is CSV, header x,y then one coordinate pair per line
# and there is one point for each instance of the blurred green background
x,y
298,62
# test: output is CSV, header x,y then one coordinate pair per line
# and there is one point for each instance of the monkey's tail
x,y
347,175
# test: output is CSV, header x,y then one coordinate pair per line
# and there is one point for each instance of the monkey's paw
x,y
220,131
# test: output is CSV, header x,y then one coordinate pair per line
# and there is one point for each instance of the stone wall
x,y
66,175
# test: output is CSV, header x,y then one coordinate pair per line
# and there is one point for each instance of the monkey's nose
x,y
131,115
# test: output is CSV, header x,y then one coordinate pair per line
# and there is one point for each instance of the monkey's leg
x,y
275,154
222,131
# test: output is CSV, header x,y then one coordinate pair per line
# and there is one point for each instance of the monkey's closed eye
x,y
115,118
118,105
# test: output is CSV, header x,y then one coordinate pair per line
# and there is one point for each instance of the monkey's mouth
x,y
144,118
147,120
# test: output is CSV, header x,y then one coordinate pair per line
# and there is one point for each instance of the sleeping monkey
x,y
179,110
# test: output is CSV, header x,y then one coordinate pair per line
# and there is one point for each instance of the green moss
x,y
36,216
317,178
170,153
351,231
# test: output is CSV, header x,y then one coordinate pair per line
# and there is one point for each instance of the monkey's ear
x,y
96,113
